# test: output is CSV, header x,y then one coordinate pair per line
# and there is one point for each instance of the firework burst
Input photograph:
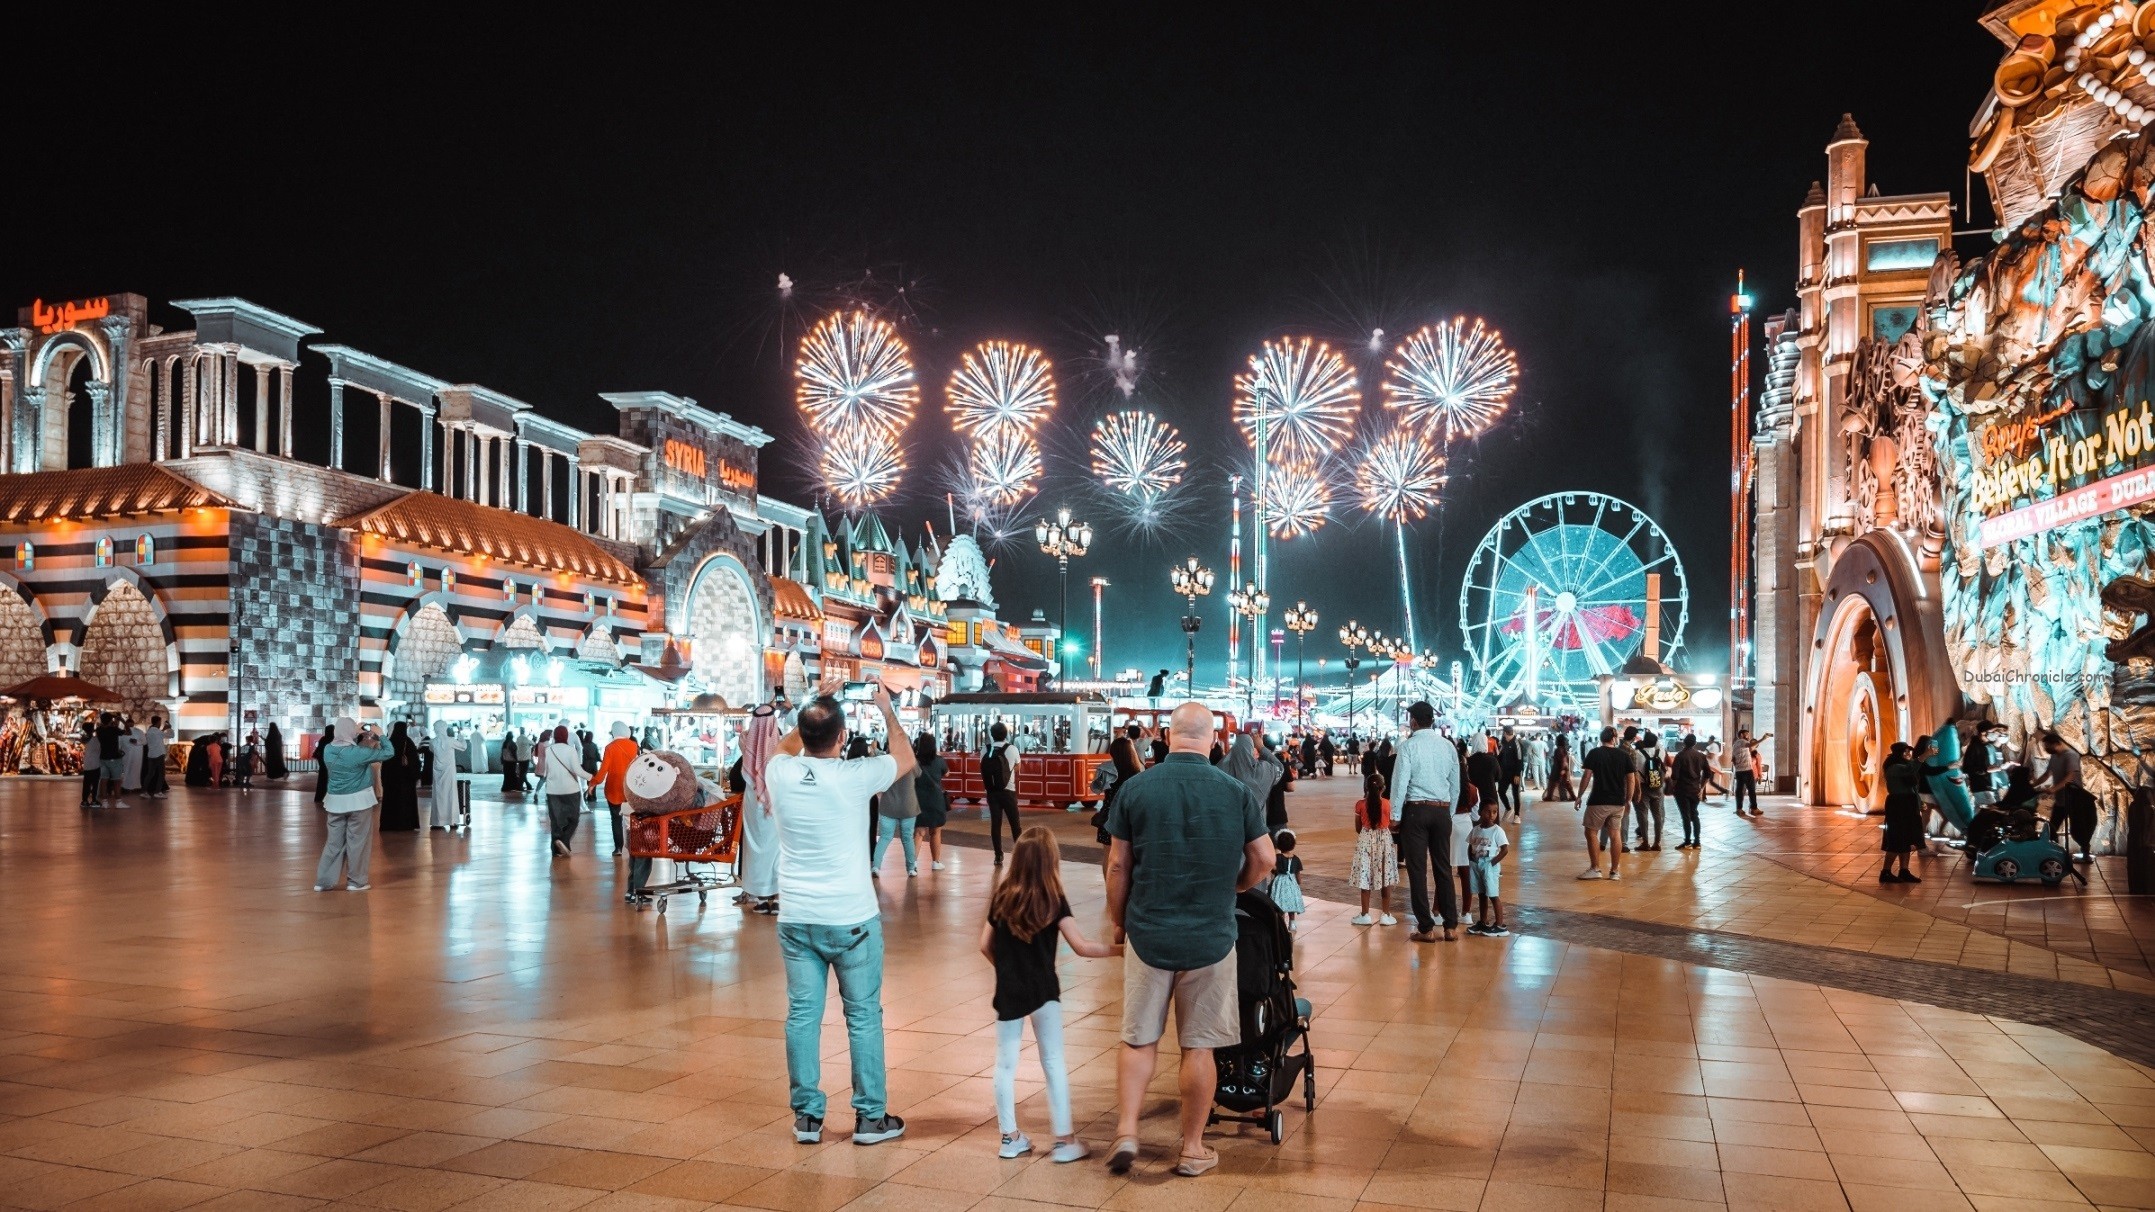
x,y
1451,380
1299,500
1398,476
855,374
1306,392
1137,454
1000,385
860,467
1002,467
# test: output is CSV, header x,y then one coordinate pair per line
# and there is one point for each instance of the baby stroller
x,y
1257,1076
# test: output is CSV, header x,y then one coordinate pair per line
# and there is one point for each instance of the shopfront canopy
x,y
53,687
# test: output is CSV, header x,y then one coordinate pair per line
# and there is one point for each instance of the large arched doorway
x,y
426,649
1856,717
124,650
22,644
725,632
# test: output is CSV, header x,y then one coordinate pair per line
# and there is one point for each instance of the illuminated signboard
x,y
485,694
739,479
67,315
550,696
2068,458
684,457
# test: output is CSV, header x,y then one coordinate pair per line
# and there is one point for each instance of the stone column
x,y
522,465
284,410
468,490
101,426
230,374
576,494
501,455
261,407
113,451
546,483
426,449
336,423
186,406
481,492
387,417
161,410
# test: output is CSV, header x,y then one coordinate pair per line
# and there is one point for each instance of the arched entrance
x,y
124,650
428,646
1878,672
22,644
522,633
598,645
725,631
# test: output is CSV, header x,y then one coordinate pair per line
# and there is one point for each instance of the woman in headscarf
x,y
759,829
273,767
198,763
565,777
348,763
512,765
1253,769
446,808
400,783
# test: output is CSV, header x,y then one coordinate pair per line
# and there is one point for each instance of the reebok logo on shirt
x,y
808,778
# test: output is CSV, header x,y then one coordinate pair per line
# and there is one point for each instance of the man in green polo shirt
x,y
1187,838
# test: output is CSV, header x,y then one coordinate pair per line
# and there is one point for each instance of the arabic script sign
x,y
61,316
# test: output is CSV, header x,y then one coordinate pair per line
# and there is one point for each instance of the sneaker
x,y
357,887
561,848
1014,1145
1476,928
1124,1156
1615,874
807,1129
1360,919
1069,1151
1388,920
321,887
876,1131
1910,877
935,866
1498,931
1591,873
910,872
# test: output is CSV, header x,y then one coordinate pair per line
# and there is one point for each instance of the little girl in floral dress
x,y
1376,857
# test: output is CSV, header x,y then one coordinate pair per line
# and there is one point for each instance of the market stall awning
x,y
430,519
55,686
789,600
100,492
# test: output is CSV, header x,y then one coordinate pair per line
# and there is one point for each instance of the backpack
x,y
1653,772
995,768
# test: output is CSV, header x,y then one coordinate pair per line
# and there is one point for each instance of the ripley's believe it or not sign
x,y
2050,460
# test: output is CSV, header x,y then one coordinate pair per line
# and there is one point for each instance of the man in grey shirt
x,y
1425,784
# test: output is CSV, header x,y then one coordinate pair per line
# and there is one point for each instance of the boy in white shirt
x,y
1486,848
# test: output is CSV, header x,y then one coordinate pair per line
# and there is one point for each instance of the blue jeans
x,y
885,826
810,953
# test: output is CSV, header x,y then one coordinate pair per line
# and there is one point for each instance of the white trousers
x,y
1048,1041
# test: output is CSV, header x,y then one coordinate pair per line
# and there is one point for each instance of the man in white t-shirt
x,y
828,918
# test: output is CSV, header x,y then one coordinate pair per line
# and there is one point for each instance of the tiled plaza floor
x,y
184,1024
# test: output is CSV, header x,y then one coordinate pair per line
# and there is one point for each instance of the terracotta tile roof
x,y
100,492
790,601
430,519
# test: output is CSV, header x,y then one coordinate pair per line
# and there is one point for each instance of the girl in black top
x,y
1026,916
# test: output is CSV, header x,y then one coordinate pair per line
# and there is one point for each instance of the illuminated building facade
x,y
1958,460
162,537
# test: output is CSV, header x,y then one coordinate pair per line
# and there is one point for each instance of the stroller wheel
x,y
1276,1124
662,906
703,898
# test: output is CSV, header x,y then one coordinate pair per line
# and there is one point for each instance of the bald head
x,y
1189,729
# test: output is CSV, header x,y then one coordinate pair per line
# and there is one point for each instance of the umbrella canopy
x,y
54,686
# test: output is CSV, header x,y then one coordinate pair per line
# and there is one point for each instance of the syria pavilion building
x,y
161,537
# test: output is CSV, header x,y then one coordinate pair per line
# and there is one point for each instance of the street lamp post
x,y
1191,579
1251,603
1353,637
1064,539
1099,655
1301,620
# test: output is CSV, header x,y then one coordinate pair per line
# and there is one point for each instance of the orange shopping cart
x,y
708,835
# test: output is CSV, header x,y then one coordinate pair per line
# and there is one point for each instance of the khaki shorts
x,y
1603,816
1208,1014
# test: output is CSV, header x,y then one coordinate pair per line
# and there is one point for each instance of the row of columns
x,y
200,390
496,471
383,468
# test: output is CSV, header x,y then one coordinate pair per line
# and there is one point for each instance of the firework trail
x,y
1451,380
1306,392
855,374
1000,385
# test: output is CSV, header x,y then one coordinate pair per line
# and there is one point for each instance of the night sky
x,y
556,210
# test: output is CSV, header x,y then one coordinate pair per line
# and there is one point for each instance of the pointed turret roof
x,y
1846,130
1817,196
869,535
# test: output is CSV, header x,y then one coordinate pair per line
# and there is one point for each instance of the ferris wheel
x,y
1564,589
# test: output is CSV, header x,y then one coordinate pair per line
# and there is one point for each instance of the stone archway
x,y
22,642
124,650
522,633
428,646
598,645
1855,717
724,630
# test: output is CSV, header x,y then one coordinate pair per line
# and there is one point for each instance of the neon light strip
x,y
2101,497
